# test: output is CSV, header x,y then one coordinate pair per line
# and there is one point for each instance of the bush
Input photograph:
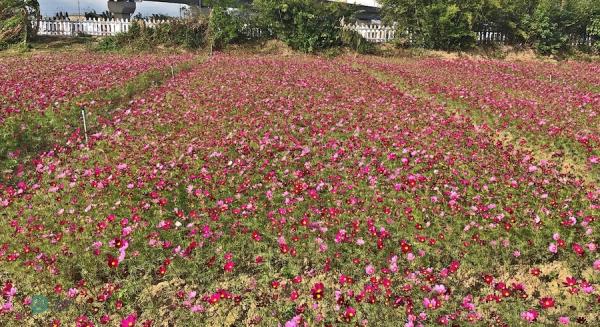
x,y
15,26
224,27
191,34
549,27
594,31
448,27
356,42
305,25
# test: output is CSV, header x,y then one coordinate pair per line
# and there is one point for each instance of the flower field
x,y
40,81
299,191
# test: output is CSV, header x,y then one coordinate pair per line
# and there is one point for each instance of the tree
x,y
15,21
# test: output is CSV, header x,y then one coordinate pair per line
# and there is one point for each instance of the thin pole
x,y
84,124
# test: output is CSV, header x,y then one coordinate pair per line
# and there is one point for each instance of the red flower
x,y
317,291
349,313
228,267
570,281
214,298
546,302
112,261
578,249
488,279
405,247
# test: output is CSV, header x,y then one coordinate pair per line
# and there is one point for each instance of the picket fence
x,y
95,27
380,33
377,33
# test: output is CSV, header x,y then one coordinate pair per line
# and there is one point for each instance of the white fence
x,y
380,33
377,33
96,27
373,32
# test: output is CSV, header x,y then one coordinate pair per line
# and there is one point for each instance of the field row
x,y
38,82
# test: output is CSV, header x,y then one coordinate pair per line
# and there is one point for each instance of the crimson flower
x,y
578,249
228,267
546,302
349,313
317,291
112,261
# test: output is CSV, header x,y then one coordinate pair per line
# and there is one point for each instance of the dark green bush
x,y
15,26
594,31
224,27
305,25
442,24
356,42
448,27
551,27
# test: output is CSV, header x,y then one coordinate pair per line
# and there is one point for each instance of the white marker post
x,y
84,125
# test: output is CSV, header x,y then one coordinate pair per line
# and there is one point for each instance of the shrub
x,y
594,31
444,25
356,42
189,33
15,23
448,27
224,27
304,25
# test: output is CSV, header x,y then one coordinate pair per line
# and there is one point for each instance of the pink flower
x,y
72,292
294,322
430,303
229,265
129,321
564,320
370,270
596,265
197,308
529,315
553,248
440,289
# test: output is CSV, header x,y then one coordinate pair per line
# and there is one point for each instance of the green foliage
x,y
224,27
15,24
546,33
448,27
550,26
594,30
356,42
435,24
190,34
305,25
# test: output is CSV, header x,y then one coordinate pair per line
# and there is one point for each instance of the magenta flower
x,y
129,321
